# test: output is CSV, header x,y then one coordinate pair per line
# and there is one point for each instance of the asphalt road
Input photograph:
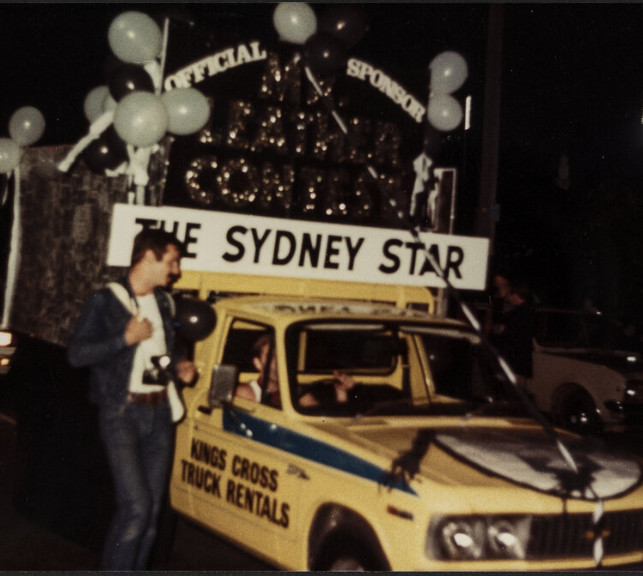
x,y
36,542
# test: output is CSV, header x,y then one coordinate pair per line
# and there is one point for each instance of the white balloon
x,y
449,70
109,104
444,112
188,110
9,155
141,119
94,104
295,22
135,37
26,125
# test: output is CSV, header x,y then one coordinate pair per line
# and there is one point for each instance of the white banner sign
x,y
241,244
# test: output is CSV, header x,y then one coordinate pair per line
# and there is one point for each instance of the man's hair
x,y
155,240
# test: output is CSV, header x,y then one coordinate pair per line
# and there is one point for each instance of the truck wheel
x,y
577,412
347,564
347,555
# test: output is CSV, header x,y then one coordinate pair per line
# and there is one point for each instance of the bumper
x,y
626,412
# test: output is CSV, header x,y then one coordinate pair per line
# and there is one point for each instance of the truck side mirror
x,y
224,378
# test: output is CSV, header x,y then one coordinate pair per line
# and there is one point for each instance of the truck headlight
x,y
461,539
478,537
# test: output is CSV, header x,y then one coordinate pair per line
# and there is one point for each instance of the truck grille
x,y
571,534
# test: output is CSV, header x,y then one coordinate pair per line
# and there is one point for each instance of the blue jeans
x,y
139,441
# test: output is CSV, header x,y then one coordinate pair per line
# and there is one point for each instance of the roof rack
x,y
206,283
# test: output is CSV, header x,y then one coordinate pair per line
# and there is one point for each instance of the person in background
x,y
513,330
125,335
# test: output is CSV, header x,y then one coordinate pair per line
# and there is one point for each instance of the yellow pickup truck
x,y
429,462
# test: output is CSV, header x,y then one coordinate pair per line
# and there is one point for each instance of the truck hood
x,y
523,456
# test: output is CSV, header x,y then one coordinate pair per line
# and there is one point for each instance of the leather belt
x,y
151,398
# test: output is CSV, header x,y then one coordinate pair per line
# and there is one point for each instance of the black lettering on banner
x,y
427,267
455,257
189,239
414,247
313,250
332,251
353,250
259,242
147,222
394,258
230,237
283,260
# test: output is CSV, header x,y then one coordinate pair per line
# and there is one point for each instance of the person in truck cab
x,y
266,388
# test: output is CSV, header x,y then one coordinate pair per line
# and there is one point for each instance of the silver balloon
x,y
449,71
141,119
94,104
188,110
444,112
135,37
109,104
26,125
295,22
9,155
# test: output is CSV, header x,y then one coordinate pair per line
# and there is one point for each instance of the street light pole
x,y
485,218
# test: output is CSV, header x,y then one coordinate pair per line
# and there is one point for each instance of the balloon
x,y
94,104
194,319
9,155
444,112
134,37
346,22
188,110
295,22
141,119
449,70
129,78
109,104
116,144
26,125
104,153
324,52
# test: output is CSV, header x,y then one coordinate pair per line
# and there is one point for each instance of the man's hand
x,y
138,329
186,372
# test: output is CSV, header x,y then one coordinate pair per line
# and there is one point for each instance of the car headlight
x,y
478,538
634,391
5,338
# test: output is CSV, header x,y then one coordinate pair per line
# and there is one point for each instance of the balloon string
x,y
166,36
14,255
95,130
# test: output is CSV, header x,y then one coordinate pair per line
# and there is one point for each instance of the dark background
x,y
571,85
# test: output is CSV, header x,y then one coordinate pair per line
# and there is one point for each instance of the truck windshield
x,y
357,368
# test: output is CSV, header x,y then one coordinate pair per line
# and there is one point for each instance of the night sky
x,y
572,84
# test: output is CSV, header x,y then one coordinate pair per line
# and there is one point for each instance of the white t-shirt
x,y
154,346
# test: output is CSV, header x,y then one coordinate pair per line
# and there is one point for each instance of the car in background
x,y
588,375
7,350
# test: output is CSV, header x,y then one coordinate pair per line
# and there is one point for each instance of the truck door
x,y
238,478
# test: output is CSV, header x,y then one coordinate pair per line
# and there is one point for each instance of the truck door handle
x,y
205,410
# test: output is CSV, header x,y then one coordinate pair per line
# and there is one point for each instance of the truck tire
x,y
348,555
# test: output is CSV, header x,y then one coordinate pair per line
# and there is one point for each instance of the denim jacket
x,y
98,341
